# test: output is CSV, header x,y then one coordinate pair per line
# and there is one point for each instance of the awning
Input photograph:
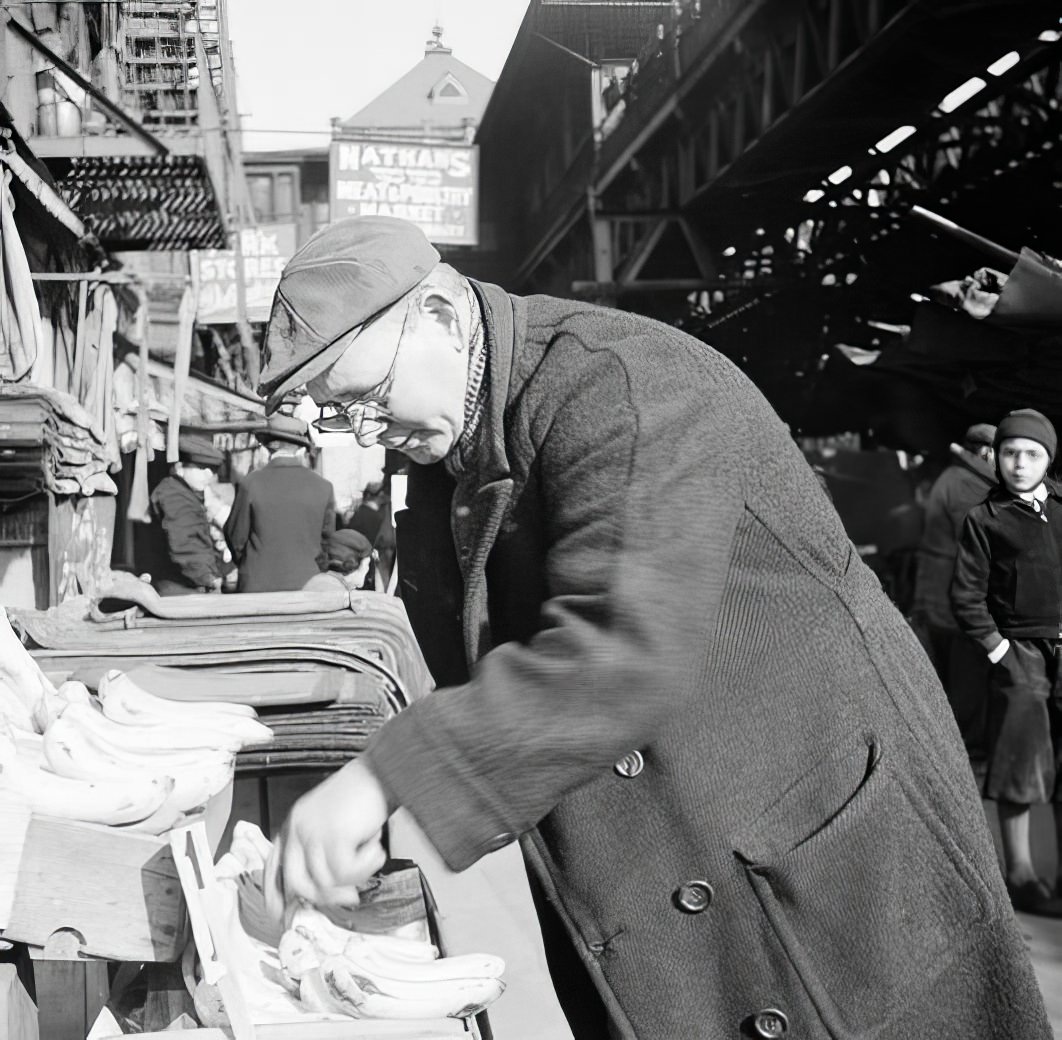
x,y
144,201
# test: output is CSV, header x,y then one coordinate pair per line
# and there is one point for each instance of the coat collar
x,y
1000,498
484,489
500,320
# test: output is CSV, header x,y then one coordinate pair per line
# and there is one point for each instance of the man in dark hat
x,y
283,514
733,772
184,558
963,670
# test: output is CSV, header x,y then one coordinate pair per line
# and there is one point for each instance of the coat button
x,y
694,897
630,765
499,841
770,1024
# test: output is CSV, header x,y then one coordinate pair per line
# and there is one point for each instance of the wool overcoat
x,y
734,772
279,526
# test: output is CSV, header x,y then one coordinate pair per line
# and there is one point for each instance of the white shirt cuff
x,y
997,655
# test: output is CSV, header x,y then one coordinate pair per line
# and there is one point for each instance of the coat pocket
x,y
865,890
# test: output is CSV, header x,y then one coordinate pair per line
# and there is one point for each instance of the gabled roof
x,y
438,91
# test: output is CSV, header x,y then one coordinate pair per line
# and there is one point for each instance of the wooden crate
x,y
71,889
18,1014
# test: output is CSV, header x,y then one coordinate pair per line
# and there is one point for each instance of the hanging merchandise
x,y
181,363
19,294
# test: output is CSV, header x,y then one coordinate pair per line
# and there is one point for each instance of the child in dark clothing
x,y
1006,596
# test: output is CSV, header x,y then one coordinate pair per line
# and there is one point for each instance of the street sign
x,y
266,249
433,185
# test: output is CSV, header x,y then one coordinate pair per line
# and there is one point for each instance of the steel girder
x,y
739,111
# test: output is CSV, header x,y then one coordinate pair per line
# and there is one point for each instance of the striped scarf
x,y
457,460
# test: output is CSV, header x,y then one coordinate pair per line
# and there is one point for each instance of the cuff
x,y
997,655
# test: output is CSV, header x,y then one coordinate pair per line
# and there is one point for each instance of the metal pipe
x,y
114,111
993,249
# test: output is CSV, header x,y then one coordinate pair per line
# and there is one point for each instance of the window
x,y
448,91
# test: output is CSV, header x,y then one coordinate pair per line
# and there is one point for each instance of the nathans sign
x,y
434,186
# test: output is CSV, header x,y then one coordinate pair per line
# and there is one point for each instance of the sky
x,y
300,63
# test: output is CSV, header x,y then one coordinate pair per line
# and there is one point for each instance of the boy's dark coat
x,y
1007,571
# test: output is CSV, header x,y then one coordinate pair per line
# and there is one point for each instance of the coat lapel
x,y
482,496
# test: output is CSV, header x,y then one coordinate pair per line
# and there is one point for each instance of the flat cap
x,y
347,273
980,433
285,428
198,450
349,539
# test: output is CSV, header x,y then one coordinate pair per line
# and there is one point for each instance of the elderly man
x,y
733,773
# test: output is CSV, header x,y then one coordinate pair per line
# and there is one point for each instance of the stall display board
x,y
432,185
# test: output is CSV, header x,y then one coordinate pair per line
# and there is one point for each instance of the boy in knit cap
x,y
1006,596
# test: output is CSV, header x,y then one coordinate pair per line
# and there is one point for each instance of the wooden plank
x,y
117,890
14,822
18,1014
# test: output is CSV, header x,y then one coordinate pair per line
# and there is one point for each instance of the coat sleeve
x,y
969,585
187,530
237,529
328,528
638,524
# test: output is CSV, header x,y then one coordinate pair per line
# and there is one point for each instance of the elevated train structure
x,y
787,179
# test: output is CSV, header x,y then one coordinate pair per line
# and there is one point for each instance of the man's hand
x,y
329,844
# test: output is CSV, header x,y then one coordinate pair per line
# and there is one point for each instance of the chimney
x,y
435,44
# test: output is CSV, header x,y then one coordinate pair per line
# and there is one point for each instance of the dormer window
x,y
448,91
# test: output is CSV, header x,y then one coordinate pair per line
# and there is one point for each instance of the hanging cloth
x,y
182,362
19,291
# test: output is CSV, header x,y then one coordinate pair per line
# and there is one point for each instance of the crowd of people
x,y
281,532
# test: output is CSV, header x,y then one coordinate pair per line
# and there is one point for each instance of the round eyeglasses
x,y
367,416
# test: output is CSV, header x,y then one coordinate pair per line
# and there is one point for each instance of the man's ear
x,y
440,309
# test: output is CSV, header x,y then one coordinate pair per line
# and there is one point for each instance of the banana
x,y
119,683
51,706
251,832
74,692
162,820
18,667
13,707
379,962
297,955
187,730
28,745
100,801
246,853
75,751
329,939
363,998
314,995
118,727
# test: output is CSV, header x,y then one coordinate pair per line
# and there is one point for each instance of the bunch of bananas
x,y
329,971
379,976
124,758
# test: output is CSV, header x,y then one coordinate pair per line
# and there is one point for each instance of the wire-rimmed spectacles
x,y
367,416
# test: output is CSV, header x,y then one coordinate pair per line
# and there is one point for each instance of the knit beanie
x,y
1027,422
